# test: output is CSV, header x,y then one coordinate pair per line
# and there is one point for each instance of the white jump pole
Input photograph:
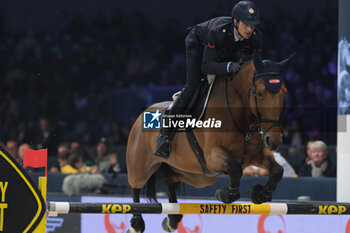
x,y
198,208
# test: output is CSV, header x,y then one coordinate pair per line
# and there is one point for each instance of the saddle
x,y
197,106
196,110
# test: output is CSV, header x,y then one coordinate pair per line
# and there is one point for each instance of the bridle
x,y
253,88
257,126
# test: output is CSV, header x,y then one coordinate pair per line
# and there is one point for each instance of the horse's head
x,y
266,98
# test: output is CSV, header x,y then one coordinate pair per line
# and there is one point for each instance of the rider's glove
x,y
233,67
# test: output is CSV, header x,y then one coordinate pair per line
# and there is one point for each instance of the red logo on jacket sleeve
x,y
211,46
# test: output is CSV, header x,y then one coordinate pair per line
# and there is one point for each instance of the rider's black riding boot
x,y
163,141
166,134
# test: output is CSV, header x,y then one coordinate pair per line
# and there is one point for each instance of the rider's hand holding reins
x,y
233,67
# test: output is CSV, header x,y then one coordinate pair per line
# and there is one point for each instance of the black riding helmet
x,y
247,12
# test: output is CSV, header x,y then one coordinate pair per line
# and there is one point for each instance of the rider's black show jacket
x,y
219,47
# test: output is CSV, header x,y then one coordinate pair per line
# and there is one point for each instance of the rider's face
x,y
245,30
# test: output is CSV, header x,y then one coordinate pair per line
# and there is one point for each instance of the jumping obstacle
x,y
197,208
18,190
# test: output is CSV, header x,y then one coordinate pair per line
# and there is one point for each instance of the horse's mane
x,y
246,59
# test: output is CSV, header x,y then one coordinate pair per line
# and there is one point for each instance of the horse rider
x,y
213,47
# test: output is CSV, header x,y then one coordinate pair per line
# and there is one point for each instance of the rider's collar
x,y
236,37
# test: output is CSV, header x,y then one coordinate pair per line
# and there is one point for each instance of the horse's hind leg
x,y
171,222
136,222
168,177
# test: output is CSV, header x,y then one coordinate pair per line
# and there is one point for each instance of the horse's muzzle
x,y
272,142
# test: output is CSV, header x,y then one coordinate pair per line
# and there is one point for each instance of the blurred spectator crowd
x,y
56,87
73,158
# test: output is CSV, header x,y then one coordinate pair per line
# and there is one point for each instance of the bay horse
x,y
249,107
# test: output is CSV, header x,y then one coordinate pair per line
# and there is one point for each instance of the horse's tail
x,y
166,174
150,187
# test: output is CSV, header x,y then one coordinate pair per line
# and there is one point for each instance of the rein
x,y
253,127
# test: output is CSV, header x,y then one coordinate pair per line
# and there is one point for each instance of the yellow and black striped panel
x,y
21,205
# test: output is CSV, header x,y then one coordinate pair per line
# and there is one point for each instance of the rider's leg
x,y
166,134
194,54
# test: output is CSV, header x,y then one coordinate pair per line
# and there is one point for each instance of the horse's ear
x,y
259,65
284,64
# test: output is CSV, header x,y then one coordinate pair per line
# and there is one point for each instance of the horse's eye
x,y
260,94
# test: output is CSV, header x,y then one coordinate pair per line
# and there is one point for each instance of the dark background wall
x,y
51,14
91,76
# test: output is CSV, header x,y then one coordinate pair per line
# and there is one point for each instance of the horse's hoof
x,y
227,195
137,224
166,225
258,195
131,230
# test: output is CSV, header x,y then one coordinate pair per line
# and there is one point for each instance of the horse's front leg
x,y
258,193
233,169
